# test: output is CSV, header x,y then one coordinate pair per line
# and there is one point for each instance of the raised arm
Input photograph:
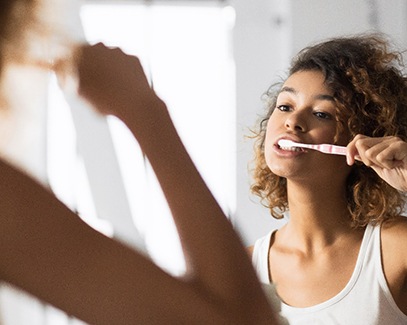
x,y
48,251
114,83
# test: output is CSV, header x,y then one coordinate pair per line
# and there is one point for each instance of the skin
x,y
48,251
318,244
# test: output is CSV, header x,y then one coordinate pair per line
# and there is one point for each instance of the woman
x,y
341,258
48,251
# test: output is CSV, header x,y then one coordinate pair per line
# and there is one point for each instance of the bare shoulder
x,y
394,259
392,229
394,238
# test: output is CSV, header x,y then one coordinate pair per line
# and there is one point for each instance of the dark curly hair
x,y
370,91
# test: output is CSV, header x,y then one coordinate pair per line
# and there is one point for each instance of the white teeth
x,y
291,148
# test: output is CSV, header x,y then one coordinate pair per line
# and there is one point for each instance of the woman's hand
x,y
387,156
114,82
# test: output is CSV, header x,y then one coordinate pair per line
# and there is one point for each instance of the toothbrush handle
x,y
332,149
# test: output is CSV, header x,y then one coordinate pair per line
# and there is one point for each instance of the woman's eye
x,y
322,115
283,108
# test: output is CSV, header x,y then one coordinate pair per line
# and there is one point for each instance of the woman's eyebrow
x,y
325,97
288,90
318,97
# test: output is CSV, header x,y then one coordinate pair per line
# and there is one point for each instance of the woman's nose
x,y
296,122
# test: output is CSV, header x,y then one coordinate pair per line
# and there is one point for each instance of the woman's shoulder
x,y
393,238
395,228
394,259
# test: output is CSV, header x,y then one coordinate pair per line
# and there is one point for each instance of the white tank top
x,y
366,299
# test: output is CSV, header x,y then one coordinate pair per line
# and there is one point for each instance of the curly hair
x,y
370,92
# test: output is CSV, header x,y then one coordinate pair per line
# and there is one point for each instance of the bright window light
x,y
186,53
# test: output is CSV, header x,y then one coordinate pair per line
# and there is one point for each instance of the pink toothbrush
x,y
325,148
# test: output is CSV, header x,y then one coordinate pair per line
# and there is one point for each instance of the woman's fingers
x,y
387,156
385,152
110,79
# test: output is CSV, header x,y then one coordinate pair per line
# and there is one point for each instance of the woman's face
x,y
305,112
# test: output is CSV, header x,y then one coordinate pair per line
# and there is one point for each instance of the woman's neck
x,y
318,215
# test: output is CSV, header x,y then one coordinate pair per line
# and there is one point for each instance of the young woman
x,y
342,256
48,251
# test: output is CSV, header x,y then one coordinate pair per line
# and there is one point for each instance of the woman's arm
x,y
114,83
48,251
388,157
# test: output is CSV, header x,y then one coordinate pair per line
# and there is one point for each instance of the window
x,y
187,55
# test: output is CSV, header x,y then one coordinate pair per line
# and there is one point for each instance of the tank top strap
x,y
260,256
